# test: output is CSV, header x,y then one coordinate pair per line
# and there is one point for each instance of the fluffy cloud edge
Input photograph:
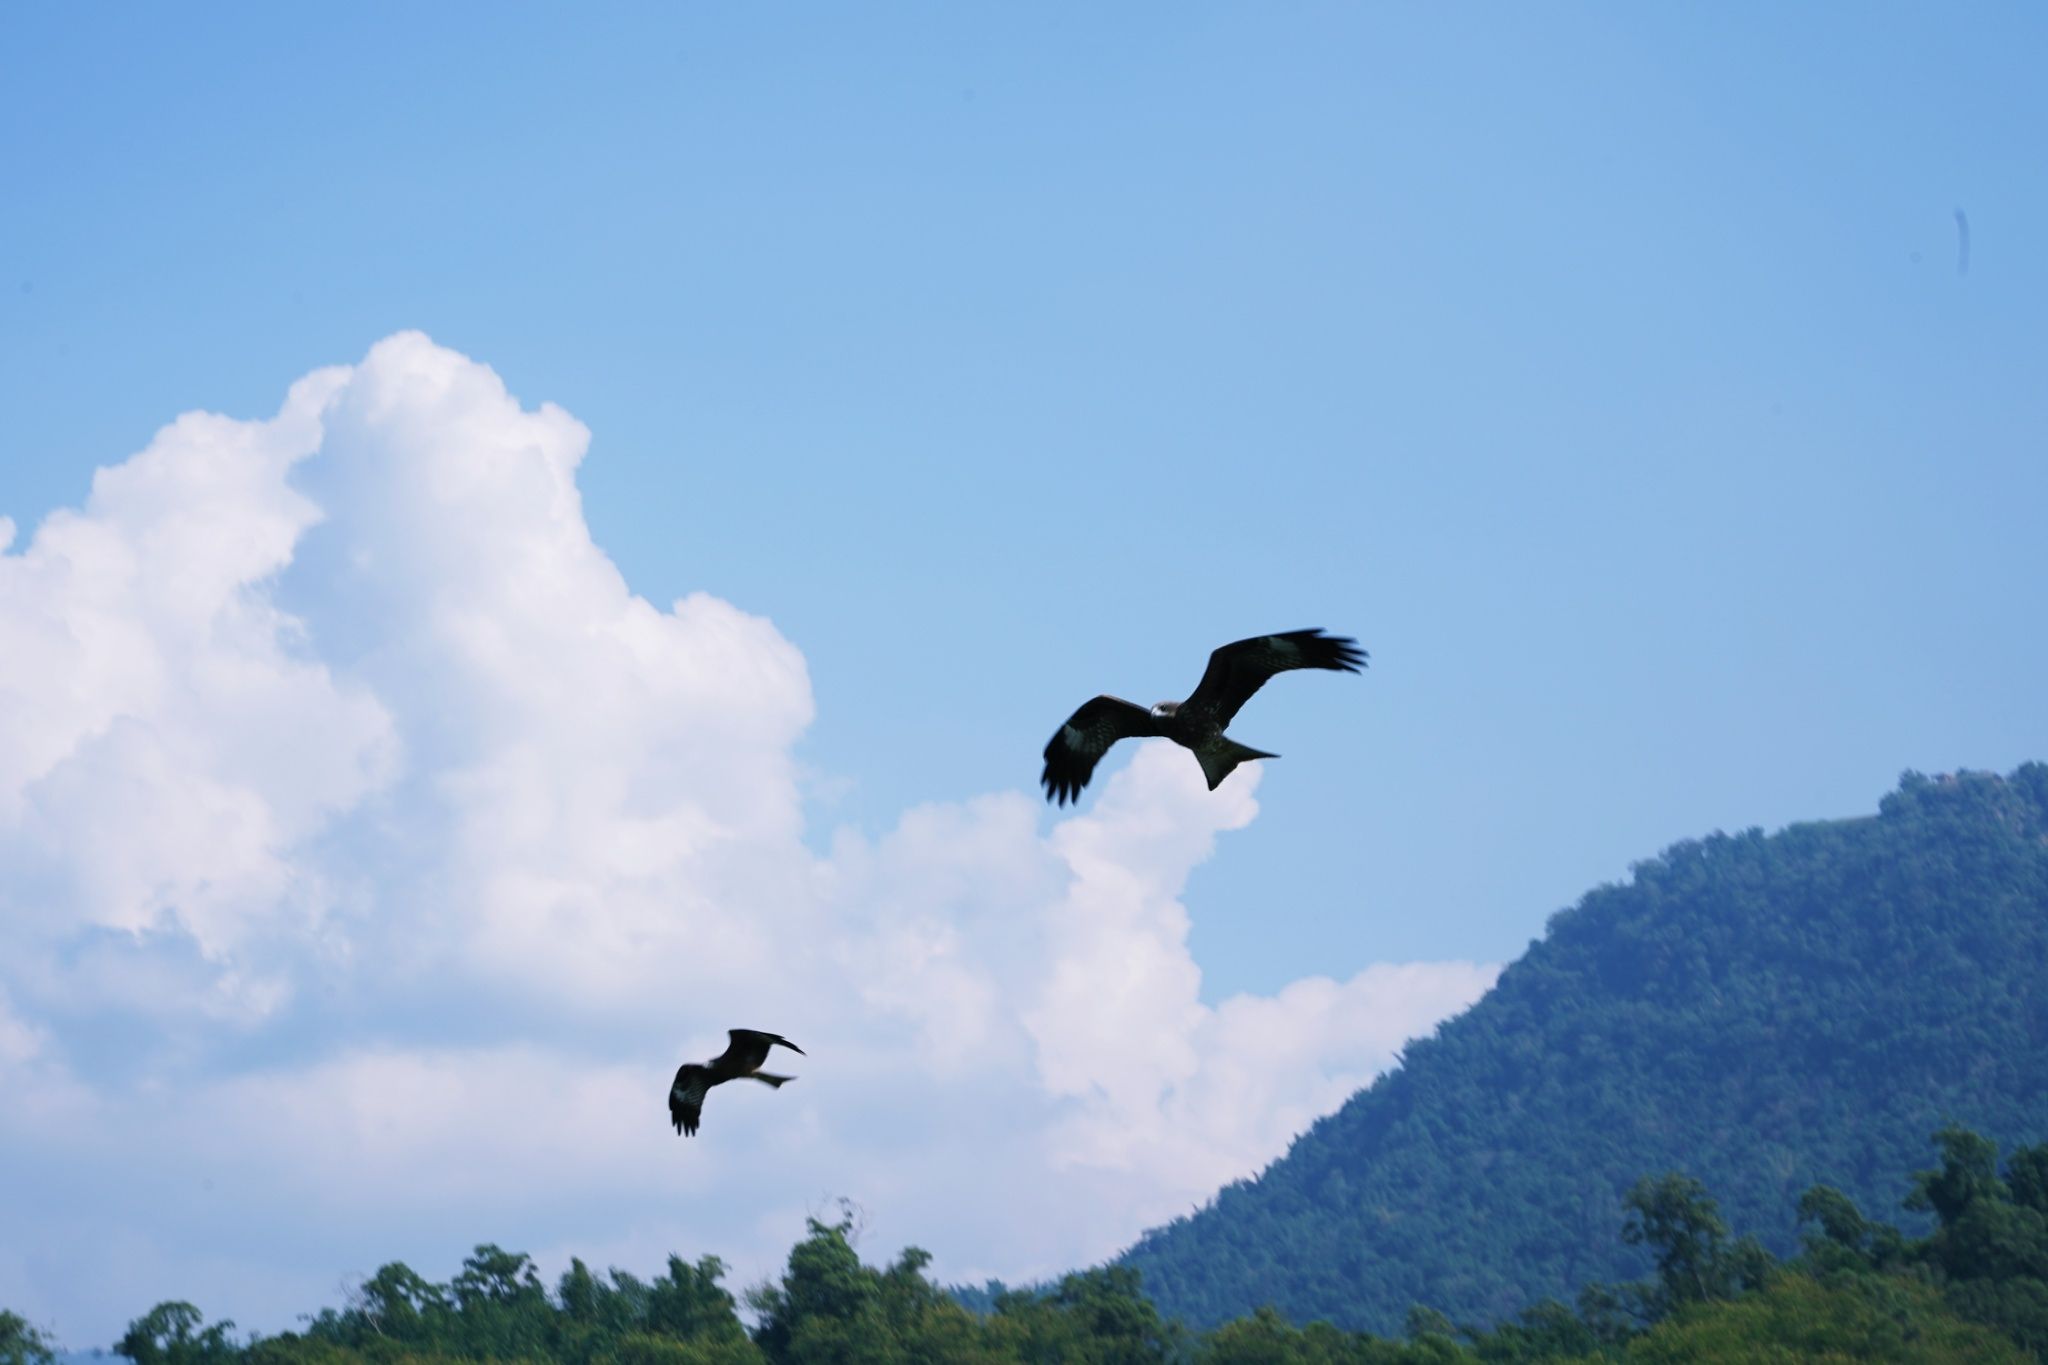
x,y
442,821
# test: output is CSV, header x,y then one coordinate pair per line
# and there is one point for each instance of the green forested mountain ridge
x,y
1765,1013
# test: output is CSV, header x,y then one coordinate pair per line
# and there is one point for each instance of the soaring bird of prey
x,y
742,1057
1235,672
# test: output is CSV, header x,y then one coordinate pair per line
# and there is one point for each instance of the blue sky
x,y
1608,375
1608,372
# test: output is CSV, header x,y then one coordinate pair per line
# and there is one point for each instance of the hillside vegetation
x,y
1766,1013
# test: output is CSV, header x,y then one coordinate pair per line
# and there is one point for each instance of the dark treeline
x,y
1974,1289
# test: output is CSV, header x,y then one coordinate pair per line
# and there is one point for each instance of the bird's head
x,y
1165,709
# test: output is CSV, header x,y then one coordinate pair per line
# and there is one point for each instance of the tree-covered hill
x,y
1766,1013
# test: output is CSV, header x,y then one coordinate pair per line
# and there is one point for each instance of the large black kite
x,y
1235,672
744,1056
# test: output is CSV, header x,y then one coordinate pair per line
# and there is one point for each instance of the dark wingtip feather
x,y
1339,653
1059,788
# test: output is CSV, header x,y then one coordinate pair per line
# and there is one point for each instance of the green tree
x,y
399,1304
1109,1307
174,1333
827,1308
1990,1250
1843,1239
22,1344
1845,1322
2026,1175
642,1348
1968,1173
689,1304
493,1276
291,1348
501,1310
1544,1331
1675,1217
1266,1338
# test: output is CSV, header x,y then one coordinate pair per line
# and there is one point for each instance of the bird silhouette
x,y
742,1057
1235,672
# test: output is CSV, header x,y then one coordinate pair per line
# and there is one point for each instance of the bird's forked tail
x,y
1219,760
777,1081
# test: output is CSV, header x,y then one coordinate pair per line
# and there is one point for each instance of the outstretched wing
x,y
686,1098
747,1051
1239,669
766,1040
1076,748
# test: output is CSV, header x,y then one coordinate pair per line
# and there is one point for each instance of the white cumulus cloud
x,y
370,853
